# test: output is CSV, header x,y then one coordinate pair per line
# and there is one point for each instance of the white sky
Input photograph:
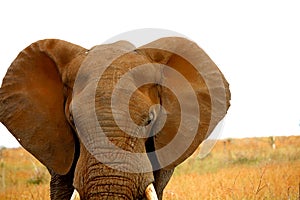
x,y
255,43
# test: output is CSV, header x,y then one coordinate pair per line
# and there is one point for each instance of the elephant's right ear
x,y
32,102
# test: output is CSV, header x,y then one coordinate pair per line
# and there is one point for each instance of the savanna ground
x,y
235,169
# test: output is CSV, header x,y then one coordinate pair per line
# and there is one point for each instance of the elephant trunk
x,y
95,180
150,193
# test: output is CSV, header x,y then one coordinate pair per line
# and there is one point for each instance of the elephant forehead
x,y
128,72
97,60
130,59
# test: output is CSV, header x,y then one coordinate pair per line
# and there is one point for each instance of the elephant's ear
x,y
194,94
32,102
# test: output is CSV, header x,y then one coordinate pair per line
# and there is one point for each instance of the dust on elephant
x,y
115,120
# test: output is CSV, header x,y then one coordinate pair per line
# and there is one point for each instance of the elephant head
x,y
115,120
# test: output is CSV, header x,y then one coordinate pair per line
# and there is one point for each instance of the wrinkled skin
x,y
38,103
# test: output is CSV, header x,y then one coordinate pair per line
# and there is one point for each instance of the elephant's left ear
x,y
194,94
32,102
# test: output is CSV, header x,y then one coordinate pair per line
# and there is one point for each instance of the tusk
x,y
75,195
150,192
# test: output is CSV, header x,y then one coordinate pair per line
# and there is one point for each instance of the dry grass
x,y
22,176
241,169
272,181
235,169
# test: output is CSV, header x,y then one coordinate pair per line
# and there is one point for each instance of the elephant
x,y
115,120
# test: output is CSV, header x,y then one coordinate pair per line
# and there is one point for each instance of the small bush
x,y
38,178
245,160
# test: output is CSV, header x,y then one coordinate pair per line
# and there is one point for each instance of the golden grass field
x,y
235,169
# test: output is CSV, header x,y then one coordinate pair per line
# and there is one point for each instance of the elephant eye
x,y
150,118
